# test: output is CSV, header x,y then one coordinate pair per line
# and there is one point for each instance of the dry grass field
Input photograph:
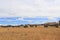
x,y
39,33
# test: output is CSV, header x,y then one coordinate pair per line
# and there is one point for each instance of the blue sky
x,y
26,20
29,11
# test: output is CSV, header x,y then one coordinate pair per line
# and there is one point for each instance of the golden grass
x,y
38,33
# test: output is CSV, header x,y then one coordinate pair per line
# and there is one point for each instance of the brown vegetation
x,y
39,33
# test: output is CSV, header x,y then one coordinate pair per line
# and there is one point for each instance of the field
x,y
39,33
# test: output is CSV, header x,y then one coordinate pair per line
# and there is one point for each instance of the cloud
x,y
51,18
29,8
22,19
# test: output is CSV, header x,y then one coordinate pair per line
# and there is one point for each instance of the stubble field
x,y
39,33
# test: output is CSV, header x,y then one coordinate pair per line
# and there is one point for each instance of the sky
x,y
29,11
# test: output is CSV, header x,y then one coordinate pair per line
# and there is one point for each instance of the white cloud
x,y
29,8
22,19
52,18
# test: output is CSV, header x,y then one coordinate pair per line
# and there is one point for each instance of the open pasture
x,y
39,33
